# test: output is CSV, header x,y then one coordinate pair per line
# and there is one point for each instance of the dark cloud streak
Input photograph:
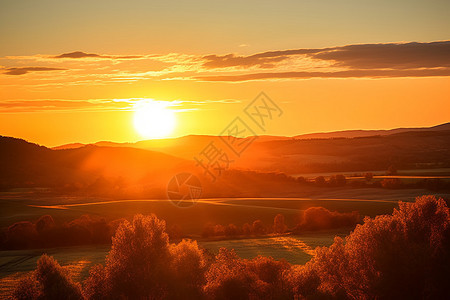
x,y
365,56
77,54
80,54
338,74
25,70
395,56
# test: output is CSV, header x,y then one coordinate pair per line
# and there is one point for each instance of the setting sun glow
x,y
153,119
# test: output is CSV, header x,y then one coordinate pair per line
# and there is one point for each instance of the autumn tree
x,y
143,265
258,228
48,281
278,224
404,255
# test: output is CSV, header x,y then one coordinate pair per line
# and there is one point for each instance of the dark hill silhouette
x,y
119,170
362,133
190,140
405,150
24,164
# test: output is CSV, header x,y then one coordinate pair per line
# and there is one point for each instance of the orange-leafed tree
x,y
48,281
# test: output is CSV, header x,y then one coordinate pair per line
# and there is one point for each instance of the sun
x,y
153,119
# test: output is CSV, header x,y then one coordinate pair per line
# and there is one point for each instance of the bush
x,y
320,181
391,183
187,270
258,228
405,255
136,266
143,265
278,224
337,180
49,281
21,235
319,218
228,278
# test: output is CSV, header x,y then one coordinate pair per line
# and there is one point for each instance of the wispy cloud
x,y
337,74
359,61
80,54
126,104
25,70
364,56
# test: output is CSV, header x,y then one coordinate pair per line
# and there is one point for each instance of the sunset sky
x,y
74,71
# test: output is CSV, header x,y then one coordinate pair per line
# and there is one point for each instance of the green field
x,y
295,249
16,207
78,260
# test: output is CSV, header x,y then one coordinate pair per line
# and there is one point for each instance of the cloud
x,y
408,59
393,55
36,105
262,60
80,54
337,74
127,104
77,54
364,56
25,70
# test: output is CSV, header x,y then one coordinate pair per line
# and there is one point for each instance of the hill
x,y
362,133
24,164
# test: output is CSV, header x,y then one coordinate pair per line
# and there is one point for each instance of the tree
x,y
21,235
231,230
48,281
228,278
392,170
404,255
278,224
337,180
320,181
187,270
136,266
368,177
258,228
391,183
320,218
246,229
143,265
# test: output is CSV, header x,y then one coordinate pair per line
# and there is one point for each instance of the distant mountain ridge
x,y
362,133
143,169
162,143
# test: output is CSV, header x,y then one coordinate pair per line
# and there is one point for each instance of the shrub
x,y
48,281
337,180
228,278
403,255
391,183
258,228
278,224
21,235
319,218
28,288
368,176
143,265
136,266
187,267
320,181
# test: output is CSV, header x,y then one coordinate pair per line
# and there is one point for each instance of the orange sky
x,y
73,74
